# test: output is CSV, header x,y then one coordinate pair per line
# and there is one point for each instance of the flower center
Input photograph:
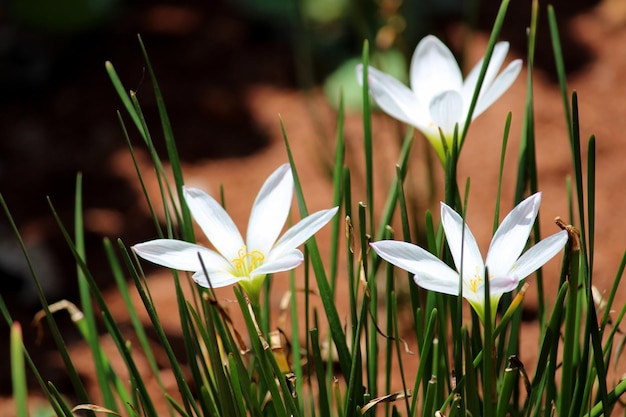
x,y
475,281
247,262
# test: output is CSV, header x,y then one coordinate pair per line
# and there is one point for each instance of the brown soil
x,y
225,89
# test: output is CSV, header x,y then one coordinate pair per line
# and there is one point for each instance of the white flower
x,y
235,260
438,97
504,264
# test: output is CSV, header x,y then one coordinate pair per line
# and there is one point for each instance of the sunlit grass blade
x,y
33,368
123,94
18,372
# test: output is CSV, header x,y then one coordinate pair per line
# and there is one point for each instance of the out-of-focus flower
x,y
505,266
438,97
233,260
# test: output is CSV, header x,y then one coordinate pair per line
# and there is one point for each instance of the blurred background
x,y
227,69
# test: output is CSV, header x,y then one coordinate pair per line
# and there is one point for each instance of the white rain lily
x,y
233,260
504,264
438,97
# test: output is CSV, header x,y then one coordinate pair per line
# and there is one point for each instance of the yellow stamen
x,y
475,281
247,261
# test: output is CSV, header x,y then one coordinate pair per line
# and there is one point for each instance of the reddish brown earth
x,y
225,90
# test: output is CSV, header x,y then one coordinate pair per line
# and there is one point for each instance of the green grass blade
x,y
571,336
172,152
18,372
149,306
611,298
392,197
323,401
221,389
91,334
295,339
560,66
471,384
548,345
123,94
138,328
264,366
398,342
326,294
367,140
613,396
495,32
591,199
144,189
7,317
61,403
237,385
79,388
337,222
425,355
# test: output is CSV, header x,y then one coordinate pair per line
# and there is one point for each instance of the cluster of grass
x,y
464,368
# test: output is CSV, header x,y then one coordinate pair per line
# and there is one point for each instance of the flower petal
x,y
214,222
535,257
430,272
499,87
498,285
395,98
510,239
217,279
285,262
446,111
434,69
270,210
472,259
497,58
180,255
300,233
